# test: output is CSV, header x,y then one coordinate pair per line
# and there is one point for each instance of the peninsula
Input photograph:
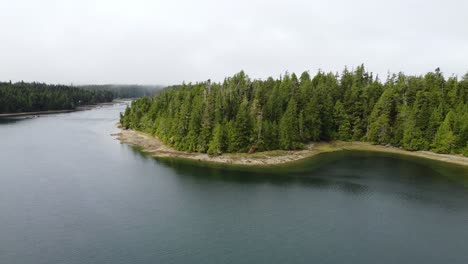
x,y
273,121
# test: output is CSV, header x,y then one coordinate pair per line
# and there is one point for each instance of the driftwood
x,y
252,149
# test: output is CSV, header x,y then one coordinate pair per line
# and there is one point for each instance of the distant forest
x,y
427,112
125,90
32,97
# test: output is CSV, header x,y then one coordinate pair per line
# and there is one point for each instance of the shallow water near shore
x,y
71,193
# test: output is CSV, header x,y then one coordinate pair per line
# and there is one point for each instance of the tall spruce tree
x,y
289,127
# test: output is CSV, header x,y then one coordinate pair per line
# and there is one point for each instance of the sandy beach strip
x,y
155,147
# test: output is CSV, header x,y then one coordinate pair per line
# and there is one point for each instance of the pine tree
x,y
312,122
207,124
289,128
435,120
380,130
217,143
412,136
445,140
191,141
241,128
270,135
380,121
341,121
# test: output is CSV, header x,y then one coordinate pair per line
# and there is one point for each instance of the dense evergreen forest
x,y
32,97
427,112
124,90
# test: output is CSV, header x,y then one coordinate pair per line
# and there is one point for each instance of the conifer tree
x,y
342,125
217,143
445,140
241,128
289,127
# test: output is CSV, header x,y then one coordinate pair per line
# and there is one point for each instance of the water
x,y
70,193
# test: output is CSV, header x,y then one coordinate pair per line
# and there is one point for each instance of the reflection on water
x,y
354,172
11,120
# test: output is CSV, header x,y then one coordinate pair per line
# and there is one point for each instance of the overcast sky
x,y
167,42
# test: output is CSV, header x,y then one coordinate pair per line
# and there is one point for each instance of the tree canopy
x,y
124,90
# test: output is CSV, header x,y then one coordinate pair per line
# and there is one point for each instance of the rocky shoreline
x,y
154,147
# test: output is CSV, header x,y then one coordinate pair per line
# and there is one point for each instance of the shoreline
x,y
50,112
156,148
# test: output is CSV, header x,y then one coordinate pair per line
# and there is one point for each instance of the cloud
x,y
168,42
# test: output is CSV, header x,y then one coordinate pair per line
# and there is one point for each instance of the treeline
x,y
125,91
426,112
33,97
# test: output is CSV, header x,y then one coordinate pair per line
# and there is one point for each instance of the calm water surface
x,y
70,193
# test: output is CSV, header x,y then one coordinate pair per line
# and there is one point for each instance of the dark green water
x,y
69,193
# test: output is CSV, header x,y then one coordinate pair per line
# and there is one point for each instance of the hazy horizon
x,y
163,43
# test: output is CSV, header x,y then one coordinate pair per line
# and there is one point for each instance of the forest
x,y
428,112
33,97
125,90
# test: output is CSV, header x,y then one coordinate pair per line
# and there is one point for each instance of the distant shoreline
x,y
36,113
49,112
154,147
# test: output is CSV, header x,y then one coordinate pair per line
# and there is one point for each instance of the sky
x,y
168,42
